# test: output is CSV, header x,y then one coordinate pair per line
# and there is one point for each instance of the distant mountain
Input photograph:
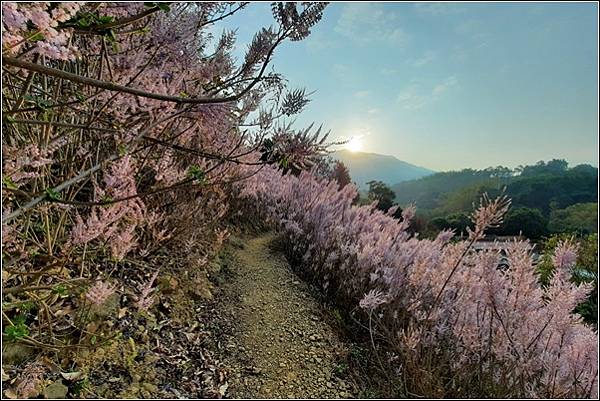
x,y
365,167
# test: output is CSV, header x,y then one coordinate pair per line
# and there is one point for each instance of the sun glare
x,y
354,144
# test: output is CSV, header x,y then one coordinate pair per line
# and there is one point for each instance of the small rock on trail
x,y
275,344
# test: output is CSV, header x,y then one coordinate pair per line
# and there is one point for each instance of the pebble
x,y
56,390
150,387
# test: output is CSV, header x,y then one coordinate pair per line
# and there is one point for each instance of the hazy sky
x,y
449,86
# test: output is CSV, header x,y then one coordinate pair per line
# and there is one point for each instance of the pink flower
x,y
99,292
54,44
114,222
42,19
122,242
565,255
372,300
13,18
30,381
145,300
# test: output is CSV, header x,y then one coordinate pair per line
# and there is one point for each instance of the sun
x,y
354,144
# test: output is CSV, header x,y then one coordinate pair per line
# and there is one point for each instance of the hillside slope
x,y
365,167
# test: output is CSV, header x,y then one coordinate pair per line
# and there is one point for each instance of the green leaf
x,y
16,332
19,320
8,182
106,198
84,22
26,306
284,162
80,96
110,35
81,386
43,104
52,194
106,19
37,37
197,173
60,290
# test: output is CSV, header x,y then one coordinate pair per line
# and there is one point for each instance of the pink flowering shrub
x,y
23,164
103,163
459,325
125,127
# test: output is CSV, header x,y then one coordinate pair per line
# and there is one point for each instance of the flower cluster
x,y
146,299
23,164
50,40
116,221
298,22
372,300
99,292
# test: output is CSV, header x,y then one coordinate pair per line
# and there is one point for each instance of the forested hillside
x,y
545,187
430,192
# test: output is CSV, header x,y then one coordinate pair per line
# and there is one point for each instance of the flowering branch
x,y
15,62
84,174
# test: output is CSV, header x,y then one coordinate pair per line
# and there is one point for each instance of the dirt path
x,y
276,342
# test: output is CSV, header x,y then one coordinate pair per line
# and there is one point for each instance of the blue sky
x,y
449,86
